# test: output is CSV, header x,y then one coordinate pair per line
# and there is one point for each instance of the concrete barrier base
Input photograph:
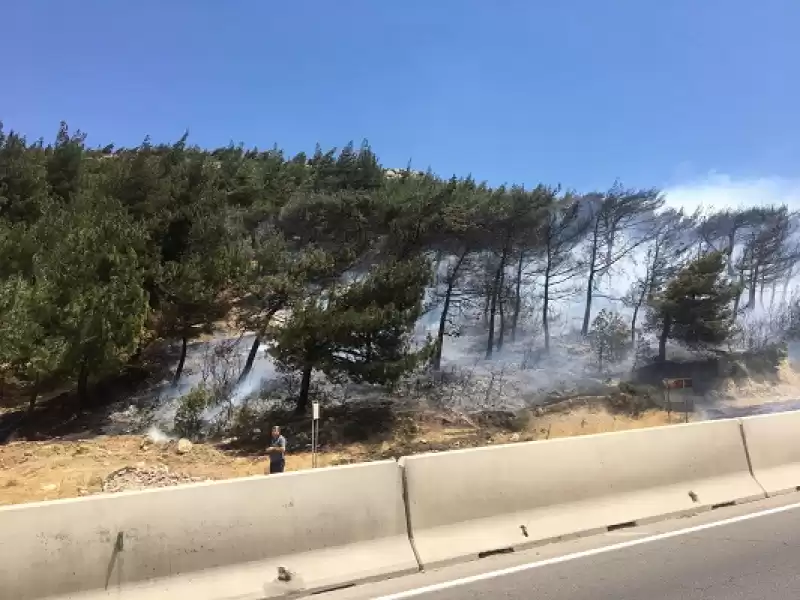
x,y
773,443
259,581
473,503
216,540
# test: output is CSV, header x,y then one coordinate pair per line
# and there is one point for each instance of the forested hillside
x,y
332,259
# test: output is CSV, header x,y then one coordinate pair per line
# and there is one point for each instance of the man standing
x,y
277,452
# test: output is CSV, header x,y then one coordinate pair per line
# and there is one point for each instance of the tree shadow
x,y
58,413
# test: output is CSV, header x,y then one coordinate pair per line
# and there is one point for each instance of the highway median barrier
x,y
472,503
253,538
773,442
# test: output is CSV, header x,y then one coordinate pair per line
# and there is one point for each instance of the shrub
x,y
632,399
188,421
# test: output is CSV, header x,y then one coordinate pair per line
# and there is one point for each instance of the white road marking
x,y
438,587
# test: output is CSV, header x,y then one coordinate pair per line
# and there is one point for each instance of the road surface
x,y
748,552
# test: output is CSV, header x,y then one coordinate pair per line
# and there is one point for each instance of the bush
x,y
632,399
520,421
188,421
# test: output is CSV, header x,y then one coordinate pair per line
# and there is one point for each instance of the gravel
x,y
139,478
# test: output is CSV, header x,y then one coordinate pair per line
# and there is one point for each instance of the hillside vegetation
x,y
107,254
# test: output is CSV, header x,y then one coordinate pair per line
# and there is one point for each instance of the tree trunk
x,y
636,309
251,358
751,299
729,258
181,361
301,407
493,308
492,311
34,394
486,305
437,351
662,340
501,306
587,312
737,300
83,385
546,305
451,282
651,283
517,298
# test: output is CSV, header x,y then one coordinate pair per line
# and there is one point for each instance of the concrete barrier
x,y
470,503
773,442
326,527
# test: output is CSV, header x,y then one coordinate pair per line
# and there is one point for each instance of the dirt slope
x,y
34,471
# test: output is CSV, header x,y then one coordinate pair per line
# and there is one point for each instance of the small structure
x,y
678,395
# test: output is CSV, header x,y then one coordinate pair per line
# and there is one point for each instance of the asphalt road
x,y
748,554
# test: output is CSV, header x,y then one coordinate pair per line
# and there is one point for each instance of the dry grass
x,y
35,471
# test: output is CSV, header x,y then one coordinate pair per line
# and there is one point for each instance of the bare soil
x,y
32,471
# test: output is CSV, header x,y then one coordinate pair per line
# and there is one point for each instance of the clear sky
x,y
690,95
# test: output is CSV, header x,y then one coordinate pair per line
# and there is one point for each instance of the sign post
x,y
677,384
314,433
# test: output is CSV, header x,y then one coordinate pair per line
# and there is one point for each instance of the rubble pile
x,y
142,477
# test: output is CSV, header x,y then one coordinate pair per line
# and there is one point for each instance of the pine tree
x,y
609,339
97,304
360,332
695,307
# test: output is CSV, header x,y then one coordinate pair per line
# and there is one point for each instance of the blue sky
x,y
684,94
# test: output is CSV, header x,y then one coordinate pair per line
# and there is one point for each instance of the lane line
x,y
446,585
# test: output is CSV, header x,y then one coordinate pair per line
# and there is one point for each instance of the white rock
x,y
184,446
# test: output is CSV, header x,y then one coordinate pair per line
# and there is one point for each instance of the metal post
x,y
314,433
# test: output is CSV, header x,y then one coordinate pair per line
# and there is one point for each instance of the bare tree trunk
x,y
181,360
587,312
501,308
34,394
437,351
486,305
451,281
517,298
737,301
751,300
546,305
301,407
785,290
662,340
633,322
729,257
636,309
83,385
251,358
651,283
493,308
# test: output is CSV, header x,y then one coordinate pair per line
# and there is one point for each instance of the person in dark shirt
x,y
277,452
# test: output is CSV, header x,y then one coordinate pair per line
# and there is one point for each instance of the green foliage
x,y
695,307
360,331
609,338
188,421
326,258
